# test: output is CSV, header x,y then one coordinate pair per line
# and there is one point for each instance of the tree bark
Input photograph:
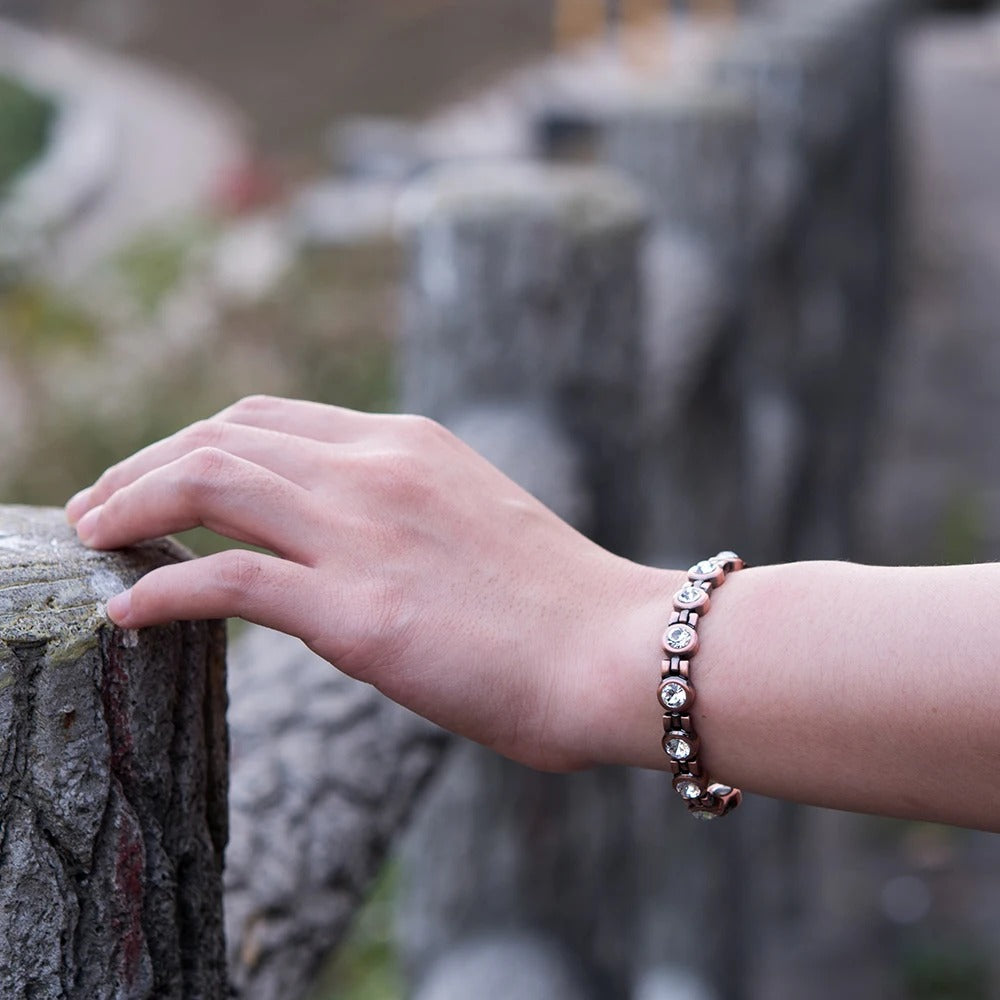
x,y
324,772
112,779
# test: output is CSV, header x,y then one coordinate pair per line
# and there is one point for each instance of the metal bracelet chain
x,y
706,799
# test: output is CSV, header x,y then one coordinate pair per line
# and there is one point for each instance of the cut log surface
x,y
113,759
325,771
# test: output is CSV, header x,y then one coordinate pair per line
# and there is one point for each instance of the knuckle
x,y
401,474
204,434
239,572
421,429
253,405
204,471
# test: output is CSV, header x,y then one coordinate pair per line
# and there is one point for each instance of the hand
x,y
401,556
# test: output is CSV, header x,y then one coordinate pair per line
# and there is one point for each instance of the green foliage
x,y
320,337
25,119
153,263
35,320
328,323
366,966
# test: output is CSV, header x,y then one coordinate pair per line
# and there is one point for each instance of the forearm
x,y
866,688
406,559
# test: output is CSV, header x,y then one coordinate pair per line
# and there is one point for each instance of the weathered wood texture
x,y
324,772
113,811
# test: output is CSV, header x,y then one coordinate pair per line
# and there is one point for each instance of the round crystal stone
x,y
678,749
679,638
726,556
707,567
673,696
688,790
690,595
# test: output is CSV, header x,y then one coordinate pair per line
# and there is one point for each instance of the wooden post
x,y
819,312
523,286
113,811
325,770
690,149
522,333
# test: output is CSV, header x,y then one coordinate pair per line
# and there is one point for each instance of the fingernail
x,y
76,505
120,607
87,525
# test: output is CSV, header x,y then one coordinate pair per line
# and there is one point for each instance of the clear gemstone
x,y
727,556
678,749
679,638
673,695
688,790
707,567
702,814
689,595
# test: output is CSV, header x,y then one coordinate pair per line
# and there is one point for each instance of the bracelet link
x,y
719,800
706,799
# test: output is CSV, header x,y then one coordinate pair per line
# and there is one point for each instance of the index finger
x,y
295,459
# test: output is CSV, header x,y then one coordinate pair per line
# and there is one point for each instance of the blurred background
x,y
779,223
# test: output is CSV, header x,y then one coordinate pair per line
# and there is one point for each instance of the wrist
x,y
625,721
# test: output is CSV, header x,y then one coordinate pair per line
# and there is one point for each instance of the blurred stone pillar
x,y
820,79
690,149
817,318
112,782
523,285
522,320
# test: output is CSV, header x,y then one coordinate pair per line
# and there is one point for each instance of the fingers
x,y
278,434
250,585
294,458
257,473
318,421
213,488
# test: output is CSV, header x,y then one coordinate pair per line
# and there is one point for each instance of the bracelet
x,y
706,799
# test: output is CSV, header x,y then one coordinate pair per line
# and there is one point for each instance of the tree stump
x,y
113,814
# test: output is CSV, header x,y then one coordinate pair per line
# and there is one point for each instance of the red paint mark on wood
x,y
115,694
130,866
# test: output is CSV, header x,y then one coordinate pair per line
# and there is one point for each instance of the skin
x,y
406,559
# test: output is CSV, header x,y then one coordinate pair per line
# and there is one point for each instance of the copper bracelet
x,y
705,798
